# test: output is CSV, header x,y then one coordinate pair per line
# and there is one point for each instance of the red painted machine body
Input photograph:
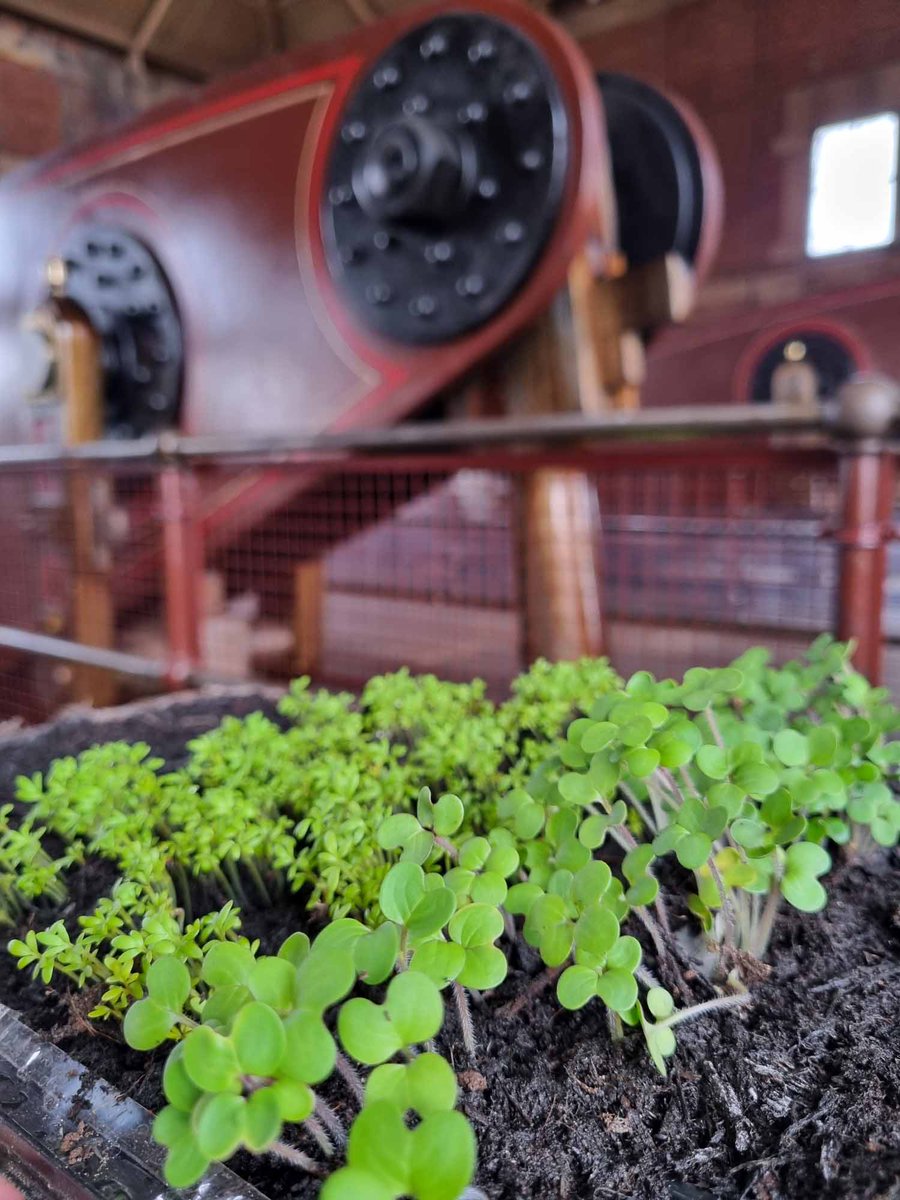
x,y
225,191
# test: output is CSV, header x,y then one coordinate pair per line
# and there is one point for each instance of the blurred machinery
x,y
348,234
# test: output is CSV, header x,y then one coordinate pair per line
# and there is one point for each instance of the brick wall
x,y
763,74
55,90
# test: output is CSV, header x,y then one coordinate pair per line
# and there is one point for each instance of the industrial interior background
x,y
704,546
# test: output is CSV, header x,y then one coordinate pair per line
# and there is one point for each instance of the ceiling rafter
x,y
150,22
278,25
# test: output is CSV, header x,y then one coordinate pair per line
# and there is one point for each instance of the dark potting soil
x,y
794,1098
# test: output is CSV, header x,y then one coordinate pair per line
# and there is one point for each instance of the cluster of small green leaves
x,y
117,944
259,1043
743,775
28,875
259,809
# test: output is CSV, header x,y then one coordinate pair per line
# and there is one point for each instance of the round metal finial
x,y
868,405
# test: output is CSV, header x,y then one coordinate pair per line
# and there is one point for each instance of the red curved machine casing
x,y
225,190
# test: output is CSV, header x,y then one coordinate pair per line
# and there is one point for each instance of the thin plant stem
x,y
714,727
318,1132
465,1018
258,882
727,910
290,1154
657,804
646,976
624,837
239,893
182,887
662,912
662,950
687,781
707,1006
331,1121
403,956
447,846
509,925
767,921
348,1073
639,807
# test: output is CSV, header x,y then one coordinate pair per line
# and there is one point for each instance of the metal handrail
x,y
689,421
133,666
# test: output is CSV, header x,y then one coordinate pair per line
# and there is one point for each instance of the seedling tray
x,y
65,1133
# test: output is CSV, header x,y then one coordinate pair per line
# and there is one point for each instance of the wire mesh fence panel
x,y
80,555
343,569
698,564
414,568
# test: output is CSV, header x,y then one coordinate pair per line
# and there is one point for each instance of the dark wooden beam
x,y
59,16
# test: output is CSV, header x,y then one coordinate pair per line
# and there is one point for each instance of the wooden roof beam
x,y
146,31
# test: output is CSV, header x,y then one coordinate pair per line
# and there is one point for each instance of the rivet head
x,y
378,293
439,252
488,188
434,46
482,50
350,255
415,106
473,113
341,193
518,92
354,131
511,232
470,285
423,306
532,159
386,78
382,240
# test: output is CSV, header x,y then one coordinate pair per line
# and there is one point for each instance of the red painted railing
x,y
704,545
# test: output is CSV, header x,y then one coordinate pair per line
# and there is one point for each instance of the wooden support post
x,y
560,531
558,519
183,570
309,589
868,486
80,386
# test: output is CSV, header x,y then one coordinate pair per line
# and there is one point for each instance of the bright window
x,y
853,185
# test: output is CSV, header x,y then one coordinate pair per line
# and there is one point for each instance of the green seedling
x,y
432,826
412,1012
149,1022
386,1160
731,786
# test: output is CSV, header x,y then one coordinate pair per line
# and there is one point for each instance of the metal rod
x,y
63,650
559,428
867,496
